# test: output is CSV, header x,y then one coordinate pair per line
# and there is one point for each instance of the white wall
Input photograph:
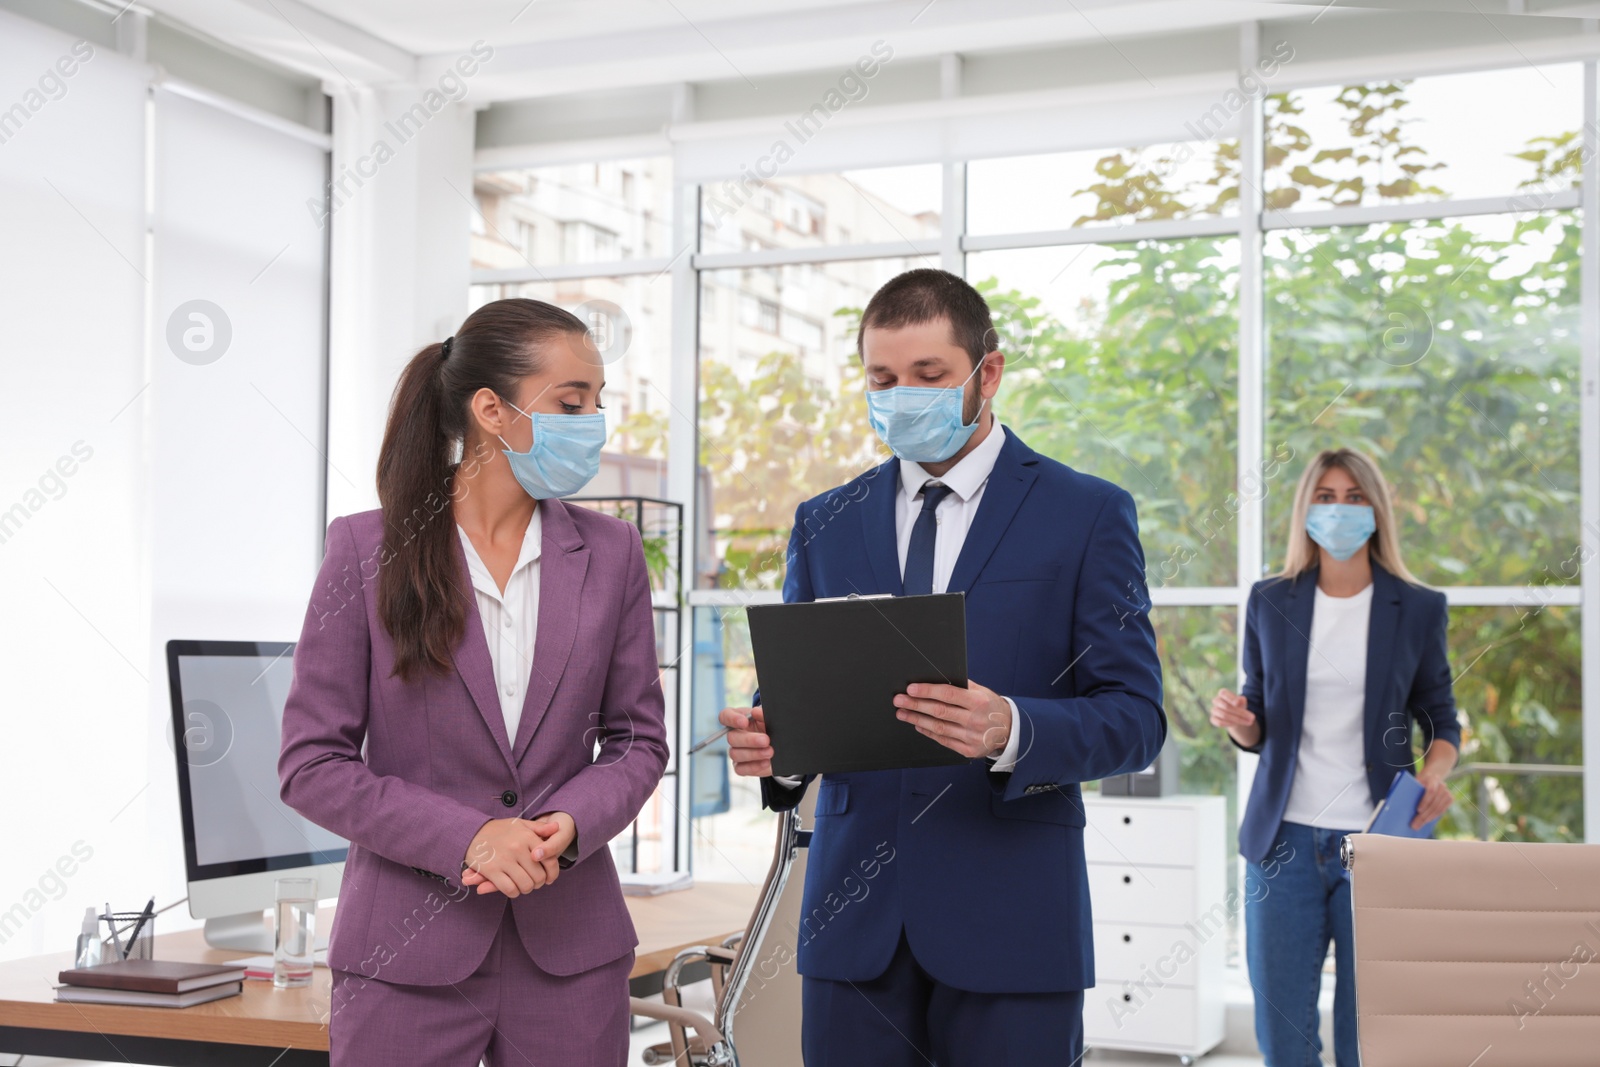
x,y
156,487
74,636
401,264
151,487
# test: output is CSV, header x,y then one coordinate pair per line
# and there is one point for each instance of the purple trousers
x,y
508,1013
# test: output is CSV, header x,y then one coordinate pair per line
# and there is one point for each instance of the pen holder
x,y
143,946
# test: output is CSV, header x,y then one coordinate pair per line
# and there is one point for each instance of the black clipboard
x,y
829,671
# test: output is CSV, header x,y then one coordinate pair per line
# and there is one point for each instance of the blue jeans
x,y
1296,900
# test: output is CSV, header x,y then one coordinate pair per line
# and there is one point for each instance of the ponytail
x,y
421,599
417,596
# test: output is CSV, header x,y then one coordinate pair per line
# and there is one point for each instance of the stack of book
x,y
151,983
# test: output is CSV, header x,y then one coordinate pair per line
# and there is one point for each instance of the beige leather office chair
x,y
1476,953
753,975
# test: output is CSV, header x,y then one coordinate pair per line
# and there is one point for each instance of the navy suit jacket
x,y
983,870
1408,679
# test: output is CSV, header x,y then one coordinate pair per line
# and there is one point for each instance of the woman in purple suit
x,y
477,708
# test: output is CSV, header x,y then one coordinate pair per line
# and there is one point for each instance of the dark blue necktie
x,y
919,557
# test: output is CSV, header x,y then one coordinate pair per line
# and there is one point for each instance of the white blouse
x,y
510,619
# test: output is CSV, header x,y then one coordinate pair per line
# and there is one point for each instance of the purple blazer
x,y
437,763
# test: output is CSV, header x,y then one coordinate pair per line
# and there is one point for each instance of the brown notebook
x,y
153,976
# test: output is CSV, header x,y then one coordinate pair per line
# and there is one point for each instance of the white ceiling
x,y
549,47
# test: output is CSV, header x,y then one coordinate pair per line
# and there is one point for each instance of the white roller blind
x,y
238,337
236,410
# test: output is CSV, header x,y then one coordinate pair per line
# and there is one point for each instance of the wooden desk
x,y
267,1027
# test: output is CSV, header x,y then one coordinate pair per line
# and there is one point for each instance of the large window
x,y
1108,341
574,213
594,239
892,204
1167,181
1413,290
1448,349
1518,675
1446,345
781,411
1459,137
629,318
733,835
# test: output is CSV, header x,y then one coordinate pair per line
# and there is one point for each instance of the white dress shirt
x,y
510,619
1330,787
953,518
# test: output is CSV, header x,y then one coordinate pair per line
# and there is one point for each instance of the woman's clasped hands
x,y
516,856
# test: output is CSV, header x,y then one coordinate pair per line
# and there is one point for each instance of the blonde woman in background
x,y
1343,650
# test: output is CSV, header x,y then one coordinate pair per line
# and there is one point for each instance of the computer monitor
x,y
238,837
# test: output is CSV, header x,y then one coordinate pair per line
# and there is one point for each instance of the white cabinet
x,y
1158,888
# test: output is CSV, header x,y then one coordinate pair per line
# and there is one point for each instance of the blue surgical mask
x,y
922,423
1340,528
564,456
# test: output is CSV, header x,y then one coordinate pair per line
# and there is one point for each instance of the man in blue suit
x,y
946,909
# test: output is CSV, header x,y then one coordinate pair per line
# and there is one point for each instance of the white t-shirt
x,y
1330,778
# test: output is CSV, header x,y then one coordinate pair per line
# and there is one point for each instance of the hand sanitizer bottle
x,y
88,954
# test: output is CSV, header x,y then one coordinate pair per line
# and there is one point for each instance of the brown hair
x,y
1385,541
925,295
420,601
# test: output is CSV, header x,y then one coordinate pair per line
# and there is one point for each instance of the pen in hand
x,y
713,739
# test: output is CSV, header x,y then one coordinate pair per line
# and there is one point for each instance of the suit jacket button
x,y
508,798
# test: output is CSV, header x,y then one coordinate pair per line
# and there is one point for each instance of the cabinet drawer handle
x,y
1127,937
1127,879
1127,820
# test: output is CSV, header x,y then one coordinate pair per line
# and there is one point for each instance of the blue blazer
x,y
985,871
1408,679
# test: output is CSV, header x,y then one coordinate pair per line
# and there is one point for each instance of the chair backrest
x,y
1476,952
760,1009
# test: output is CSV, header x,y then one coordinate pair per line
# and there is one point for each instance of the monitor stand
x,y
246,932
249,932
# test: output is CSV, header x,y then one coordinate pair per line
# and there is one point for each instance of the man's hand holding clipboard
x,y
975,721
868,683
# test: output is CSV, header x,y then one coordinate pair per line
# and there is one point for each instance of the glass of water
x,y
295,931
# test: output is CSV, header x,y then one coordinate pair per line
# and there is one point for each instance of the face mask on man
x,y
564,456
1340,528
922,423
